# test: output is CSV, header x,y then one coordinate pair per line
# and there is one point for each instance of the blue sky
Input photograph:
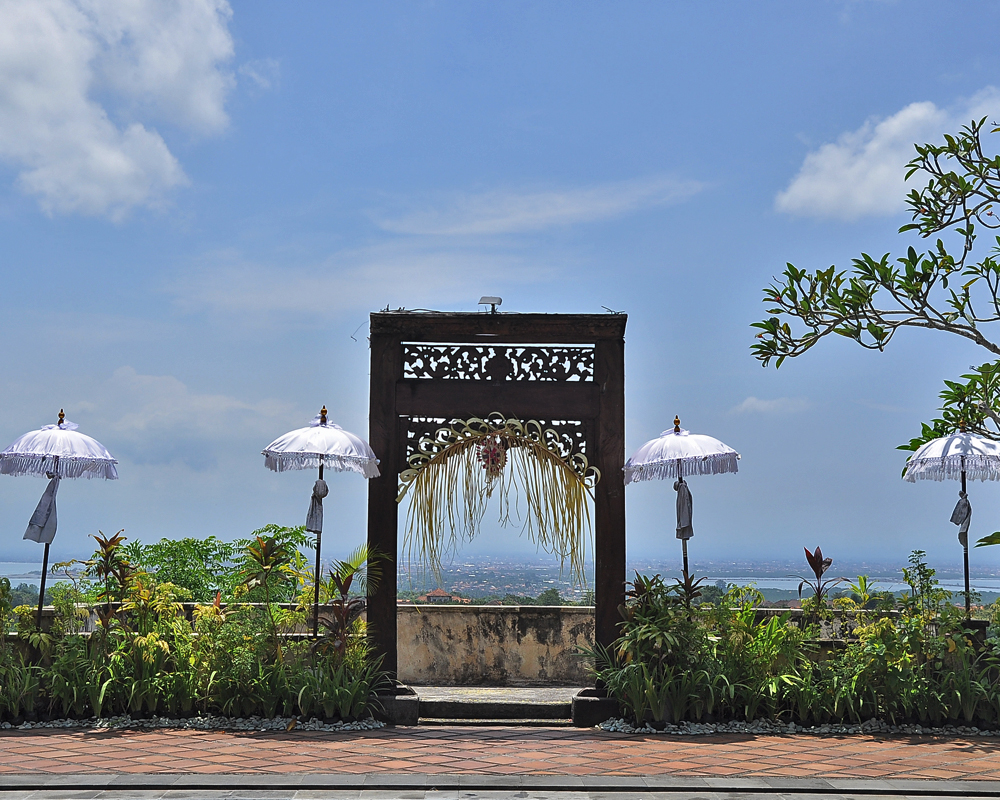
x,y
200,204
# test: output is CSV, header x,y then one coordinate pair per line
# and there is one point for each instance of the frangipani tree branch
x,y
952,199
934,290
966,405
850,304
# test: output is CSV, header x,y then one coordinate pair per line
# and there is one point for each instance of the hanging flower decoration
x,y
453,474
493,456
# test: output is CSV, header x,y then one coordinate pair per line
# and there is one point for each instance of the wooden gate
x,y
567,370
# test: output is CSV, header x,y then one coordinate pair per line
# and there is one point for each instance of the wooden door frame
x,y
598,401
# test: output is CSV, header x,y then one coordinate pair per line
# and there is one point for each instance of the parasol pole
x,y
45,554
41,589
968,594
680,474
319,536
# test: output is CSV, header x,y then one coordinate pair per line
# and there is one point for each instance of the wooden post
x,y
386,369
609,498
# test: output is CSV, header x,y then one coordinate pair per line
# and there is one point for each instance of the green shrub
x,y
911,660
145,657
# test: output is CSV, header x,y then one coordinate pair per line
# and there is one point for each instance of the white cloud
x,y
262,72
512,212
780,405
445,256
145,61
861,174
157,419
166,57
367,278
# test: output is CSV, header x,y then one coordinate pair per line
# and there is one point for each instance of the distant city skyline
x,y
525,576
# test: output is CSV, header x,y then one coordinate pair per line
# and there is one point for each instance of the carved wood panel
x,y
497,363
573,434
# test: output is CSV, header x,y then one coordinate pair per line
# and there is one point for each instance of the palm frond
x,y
360,569
456,472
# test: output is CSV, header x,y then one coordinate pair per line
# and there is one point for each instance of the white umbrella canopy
x,y
323,445
56,452
674,454
948,457
677,452
959,456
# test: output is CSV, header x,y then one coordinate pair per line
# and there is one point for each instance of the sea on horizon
x,y
546,574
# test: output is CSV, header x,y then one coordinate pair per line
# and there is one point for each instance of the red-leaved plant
x,y
820,587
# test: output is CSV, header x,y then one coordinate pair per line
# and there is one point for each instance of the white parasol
x,y
56,452
674,454
322,445
957,457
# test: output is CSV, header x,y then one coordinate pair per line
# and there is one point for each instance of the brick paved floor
x,y
497,751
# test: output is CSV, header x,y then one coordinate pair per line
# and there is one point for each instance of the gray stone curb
x,y
489,782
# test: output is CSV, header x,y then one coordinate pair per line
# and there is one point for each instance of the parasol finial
x,y
322,415
677,424
62,417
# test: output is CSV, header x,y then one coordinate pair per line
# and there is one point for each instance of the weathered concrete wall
x,y
494,645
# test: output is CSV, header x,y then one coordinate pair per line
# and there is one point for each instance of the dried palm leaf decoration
x,y
453,474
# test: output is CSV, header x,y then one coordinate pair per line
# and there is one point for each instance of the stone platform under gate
x,y
484,705
448,645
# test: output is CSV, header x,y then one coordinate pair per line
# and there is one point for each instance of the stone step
x,y
457,709
487,723
492,703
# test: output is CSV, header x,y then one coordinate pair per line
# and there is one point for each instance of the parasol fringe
x,y
281,462
68,466
716,464
977,468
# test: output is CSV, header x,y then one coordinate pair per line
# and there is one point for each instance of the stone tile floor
x,y
494,751
250,793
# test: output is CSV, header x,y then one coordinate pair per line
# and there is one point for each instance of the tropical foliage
x,y
947,288
125,639
912,658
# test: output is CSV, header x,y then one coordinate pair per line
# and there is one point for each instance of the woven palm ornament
x,y
456,471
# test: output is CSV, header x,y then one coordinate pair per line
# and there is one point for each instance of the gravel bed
x,y
209,723
767,727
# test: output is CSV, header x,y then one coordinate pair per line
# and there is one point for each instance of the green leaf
x,y
986,541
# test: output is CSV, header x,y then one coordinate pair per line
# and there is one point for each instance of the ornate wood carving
x,y
573,434
483,363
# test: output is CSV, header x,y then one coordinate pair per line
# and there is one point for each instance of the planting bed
x,y
766,727
207,723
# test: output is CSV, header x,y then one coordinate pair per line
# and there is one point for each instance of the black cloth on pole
x,y
314,519
42,525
